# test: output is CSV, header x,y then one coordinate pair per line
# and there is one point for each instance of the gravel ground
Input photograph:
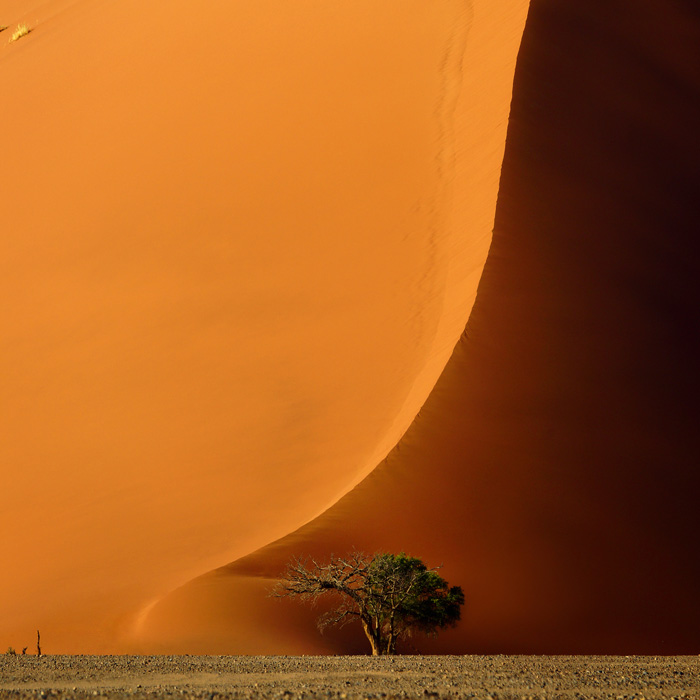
x,y
351,677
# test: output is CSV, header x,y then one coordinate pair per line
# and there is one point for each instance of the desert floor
x,y
287,677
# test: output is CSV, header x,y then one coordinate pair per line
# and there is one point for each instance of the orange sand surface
x,y
238,246
239,243
554,468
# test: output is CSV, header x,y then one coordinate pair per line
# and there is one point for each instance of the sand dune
x,y
239,243
553,469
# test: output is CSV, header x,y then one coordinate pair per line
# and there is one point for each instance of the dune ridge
x,y
552,470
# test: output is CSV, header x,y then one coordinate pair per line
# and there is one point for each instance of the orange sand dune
x,y
239,243
554,468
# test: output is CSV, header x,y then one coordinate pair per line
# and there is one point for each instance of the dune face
x,y
238,247
208,616
553,469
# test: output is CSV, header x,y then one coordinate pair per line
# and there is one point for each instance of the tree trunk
x,y
391,637
374,638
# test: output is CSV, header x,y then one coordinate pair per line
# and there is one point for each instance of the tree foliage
x,y
391,595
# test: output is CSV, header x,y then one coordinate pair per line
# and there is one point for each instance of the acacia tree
x,y
391,595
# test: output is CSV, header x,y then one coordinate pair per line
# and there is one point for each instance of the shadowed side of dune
x,y
553,469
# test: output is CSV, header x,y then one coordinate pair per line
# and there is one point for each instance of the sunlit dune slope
x,y
553,469
239,242
492,33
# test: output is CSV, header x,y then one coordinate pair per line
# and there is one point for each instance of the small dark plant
x,y
10,652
